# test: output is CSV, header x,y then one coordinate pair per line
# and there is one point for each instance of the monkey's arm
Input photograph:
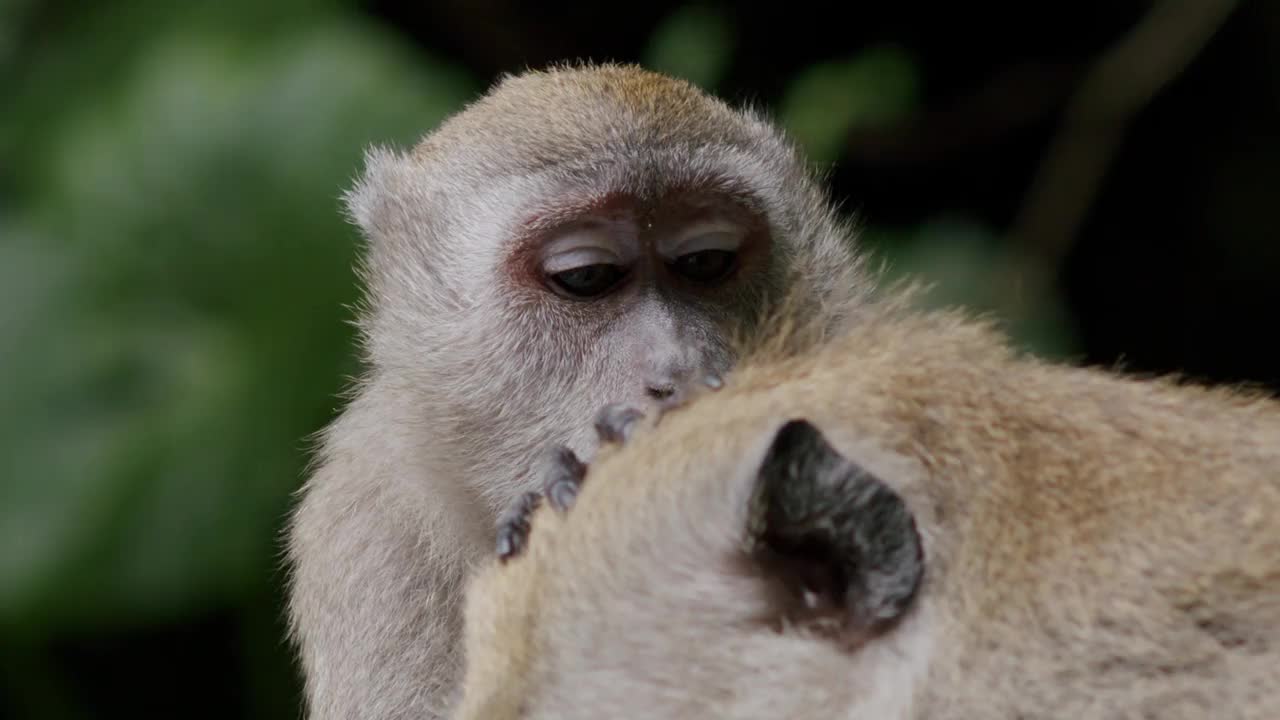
x,y
373,605
379,546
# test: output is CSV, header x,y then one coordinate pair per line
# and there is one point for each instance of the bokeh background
x,y
175,267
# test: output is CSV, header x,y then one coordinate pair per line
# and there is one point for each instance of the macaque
x,y
577,237
912,521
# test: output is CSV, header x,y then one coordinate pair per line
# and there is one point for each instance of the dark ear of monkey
x,y
839,547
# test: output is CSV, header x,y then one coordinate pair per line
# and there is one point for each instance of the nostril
x,y
661,392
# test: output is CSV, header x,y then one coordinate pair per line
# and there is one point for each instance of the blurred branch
x,y
1117,86
1009,101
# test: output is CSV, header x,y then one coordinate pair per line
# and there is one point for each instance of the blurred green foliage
x,y
875,87
174,270
175,273
695,43
959,262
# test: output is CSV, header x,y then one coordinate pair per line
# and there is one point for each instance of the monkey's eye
x,y
589,280
704,266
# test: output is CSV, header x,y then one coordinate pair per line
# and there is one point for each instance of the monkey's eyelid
x,y
618,236
580,258
706,266
721,236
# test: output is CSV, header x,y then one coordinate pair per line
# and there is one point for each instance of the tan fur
x,y
470,373
1095,547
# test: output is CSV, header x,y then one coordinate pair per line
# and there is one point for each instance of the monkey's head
x,y
579,237
911,522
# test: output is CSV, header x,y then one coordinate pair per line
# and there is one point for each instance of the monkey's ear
x,y
383,201
839,546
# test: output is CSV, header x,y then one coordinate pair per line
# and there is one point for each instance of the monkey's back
x,y
1095,546
1113,543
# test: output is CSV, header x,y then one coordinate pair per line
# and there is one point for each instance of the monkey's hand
x,y
563,472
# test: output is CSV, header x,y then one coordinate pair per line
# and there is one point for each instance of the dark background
x,y
174,265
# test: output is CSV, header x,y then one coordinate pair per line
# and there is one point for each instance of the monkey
x,y
915,520
578,236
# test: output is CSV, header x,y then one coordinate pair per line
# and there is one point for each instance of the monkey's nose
x,y
661,392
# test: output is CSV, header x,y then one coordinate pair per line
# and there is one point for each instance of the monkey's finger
x,y
514,526
564,478
687,392
615,422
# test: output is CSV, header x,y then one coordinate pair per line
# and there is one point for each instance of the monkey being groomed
x,y
577,237
911,522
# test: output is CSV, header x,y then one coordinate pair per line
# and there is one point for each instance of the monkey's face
x,y
625,297
575,240
644,291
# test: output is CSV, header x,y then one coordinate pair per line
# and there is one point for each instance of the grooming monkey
x,y
577,237
912,522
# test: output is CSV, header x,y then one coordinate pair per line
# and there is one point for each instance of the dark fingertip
x,y
615,423
565,462
564,477
562,494
505,547
513,528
